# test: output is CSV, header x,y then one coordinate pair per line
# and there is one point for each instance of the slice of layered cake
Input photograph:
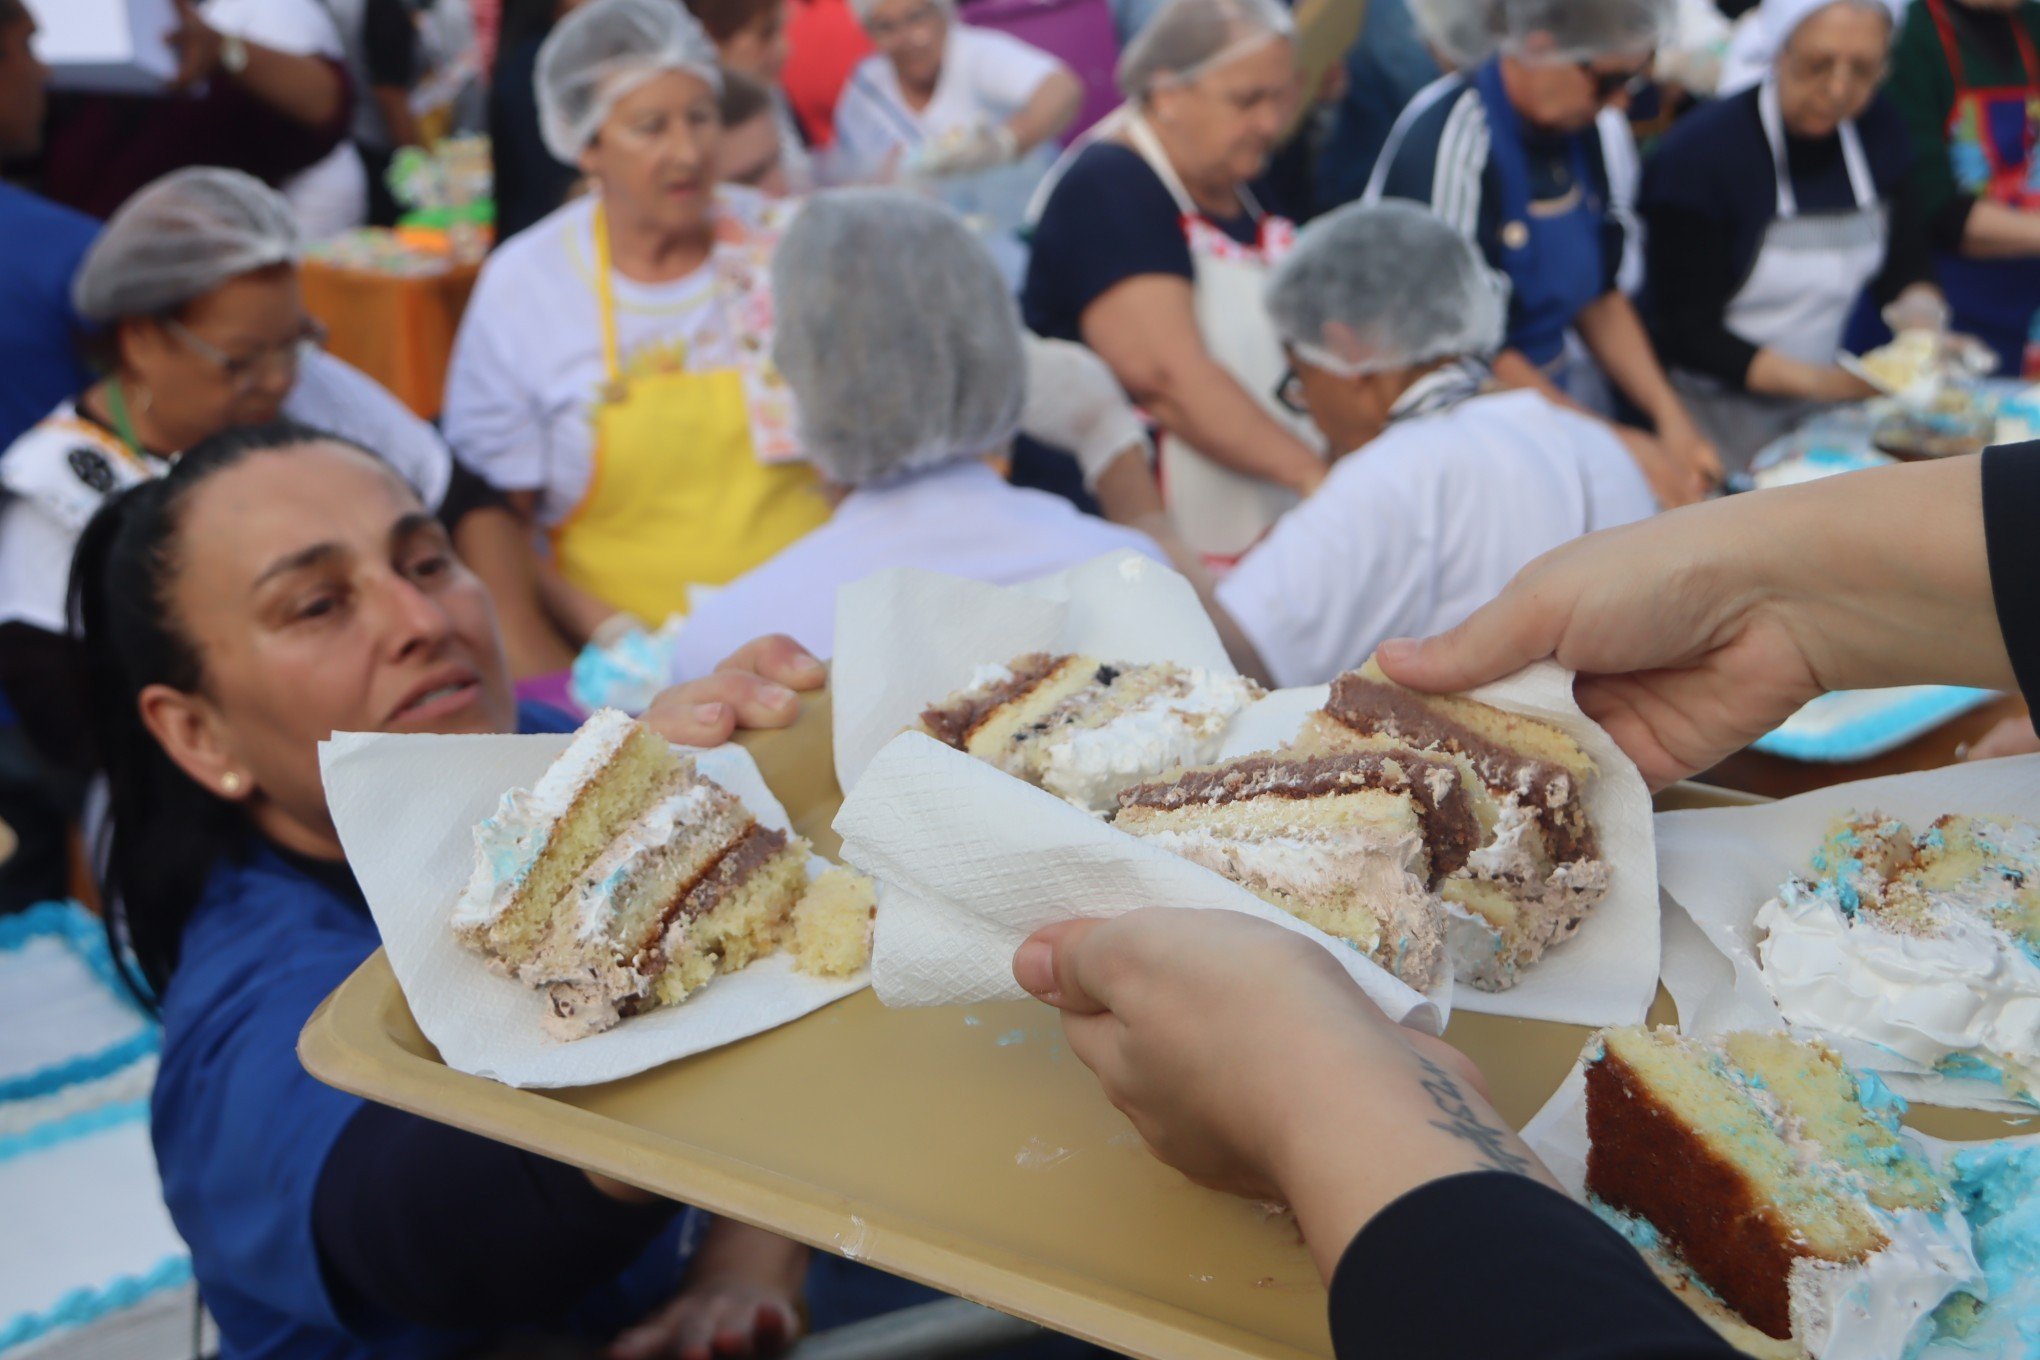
x,y
1084,729
1354,843
1537,869
1925,943
832,924
625,880
1774,1189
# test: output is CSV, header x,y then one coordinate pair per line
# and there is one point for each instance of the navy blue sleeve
x,y
1110,219
428,1225
1553,1282
529,182
2011,505
1909,252
1701,227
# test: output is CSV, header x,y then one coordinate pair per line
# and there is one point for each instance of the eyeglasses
x,y
244,371
884,30
1823,67
1289,392
1610,84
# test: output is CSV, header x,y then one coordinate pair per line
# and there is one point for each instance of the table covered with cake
x,y
1485,865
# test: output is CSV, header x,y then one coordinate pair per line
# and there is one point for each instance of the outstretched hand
x,y
757,687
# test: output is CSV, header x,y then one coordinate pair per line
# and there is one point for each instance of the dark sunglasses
x,y
1609,84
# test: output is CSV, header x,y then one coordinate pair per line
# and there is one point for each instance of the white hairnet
x,y
1188,36
1765,31
1582,30
1461,33
896,334
181,237
1408,288
863,8
601,52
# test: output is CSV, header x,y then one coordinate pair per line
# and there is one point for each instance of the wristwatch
x,y
233,54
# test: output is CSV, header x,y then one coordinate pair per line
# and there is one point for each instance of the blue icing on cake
x,y
1998,1186
1879,1101
1969,1067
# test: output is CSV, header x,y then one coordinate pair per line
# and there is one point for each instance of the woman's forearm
x,y
311,90
1614,335
1773,374
1996,232
496,545
1206,407
1051,108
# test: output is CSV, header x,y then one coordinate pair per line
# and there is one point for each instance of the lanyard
x,y
123,424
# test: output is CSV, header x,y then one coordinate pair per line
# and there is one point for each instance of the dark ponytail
x,y
164,833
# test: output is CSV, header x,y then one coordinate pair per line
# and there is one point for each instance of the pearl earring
x,y
231,784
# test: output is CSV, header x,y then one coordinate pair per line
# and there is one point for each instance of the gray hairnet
x,y
1187,36
601,52
181,237
1582,30
896,334
1462,33
1407,286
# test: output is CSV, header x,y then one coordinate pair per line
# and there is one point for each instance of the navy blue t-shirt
x,y
242,1132
1110,219
1711,190
38,327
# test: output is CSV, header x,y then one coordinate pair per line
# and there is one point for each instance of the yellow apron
x,y
676,494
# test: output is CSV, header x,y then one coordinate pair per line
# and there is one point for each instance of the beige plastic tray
x,y
961,1147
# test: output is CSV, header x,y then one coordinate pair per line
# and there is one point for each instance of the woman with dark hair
x,y
275,585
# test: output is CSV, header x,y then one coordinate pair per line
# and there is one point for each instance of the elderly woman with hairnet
x,y
909,371
1149,247
1508,154
1446,485
612,373
194,287
972,111
1773,212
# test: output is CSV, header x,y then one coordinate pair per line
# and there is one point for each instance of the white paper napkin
x,y
907,638
971,861
1607,973
406,808
1721,864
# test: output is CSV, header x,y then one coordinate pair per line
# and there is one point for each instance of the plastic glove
x,y
625,665
1074,403
1917,309
984,147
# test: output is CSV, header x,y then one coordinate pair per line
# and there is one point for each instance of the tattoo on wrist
x,y
1464,1123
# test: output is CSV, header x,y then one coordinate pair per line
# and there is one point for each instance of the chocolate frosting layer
x,y
705,892
1551,792
954,720
1451,829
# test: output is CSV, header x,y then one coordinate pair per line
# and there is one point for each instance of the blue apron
x,y
1553,260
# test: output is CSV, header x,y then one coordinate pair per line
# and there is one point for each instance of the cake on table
x,y
1926,943
1355,843
624,880
1084,729
1773,1189
832,924
1536,870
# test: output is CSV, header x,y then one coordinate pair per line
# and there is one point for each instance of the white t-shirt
x,y
1412,533
962,520
332,196
527,365
56,475
987,76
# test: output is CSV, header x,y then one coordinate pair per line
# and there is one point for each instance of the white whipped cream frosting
x,y
1873,1309
652,832
510,842
1089,766
1968,990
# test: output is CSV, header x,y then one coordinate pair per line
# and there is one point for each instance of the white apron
x,y
1219,512
1810,270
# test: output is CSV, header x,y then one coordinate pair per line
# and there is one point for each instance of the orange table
x,y
399,331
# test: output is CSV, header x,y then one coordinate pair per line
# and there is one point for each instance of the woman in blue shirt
x,y
276,585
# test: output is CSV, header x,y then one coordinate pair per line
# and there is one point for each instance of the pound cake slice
x,y
1927,944
1084,729
690,886
1772,1186
1353,843
1537,870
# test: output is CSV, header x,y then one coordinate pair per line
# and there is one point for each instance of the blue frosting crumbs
x,y
1011,1037
1970,1067
1879,1101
